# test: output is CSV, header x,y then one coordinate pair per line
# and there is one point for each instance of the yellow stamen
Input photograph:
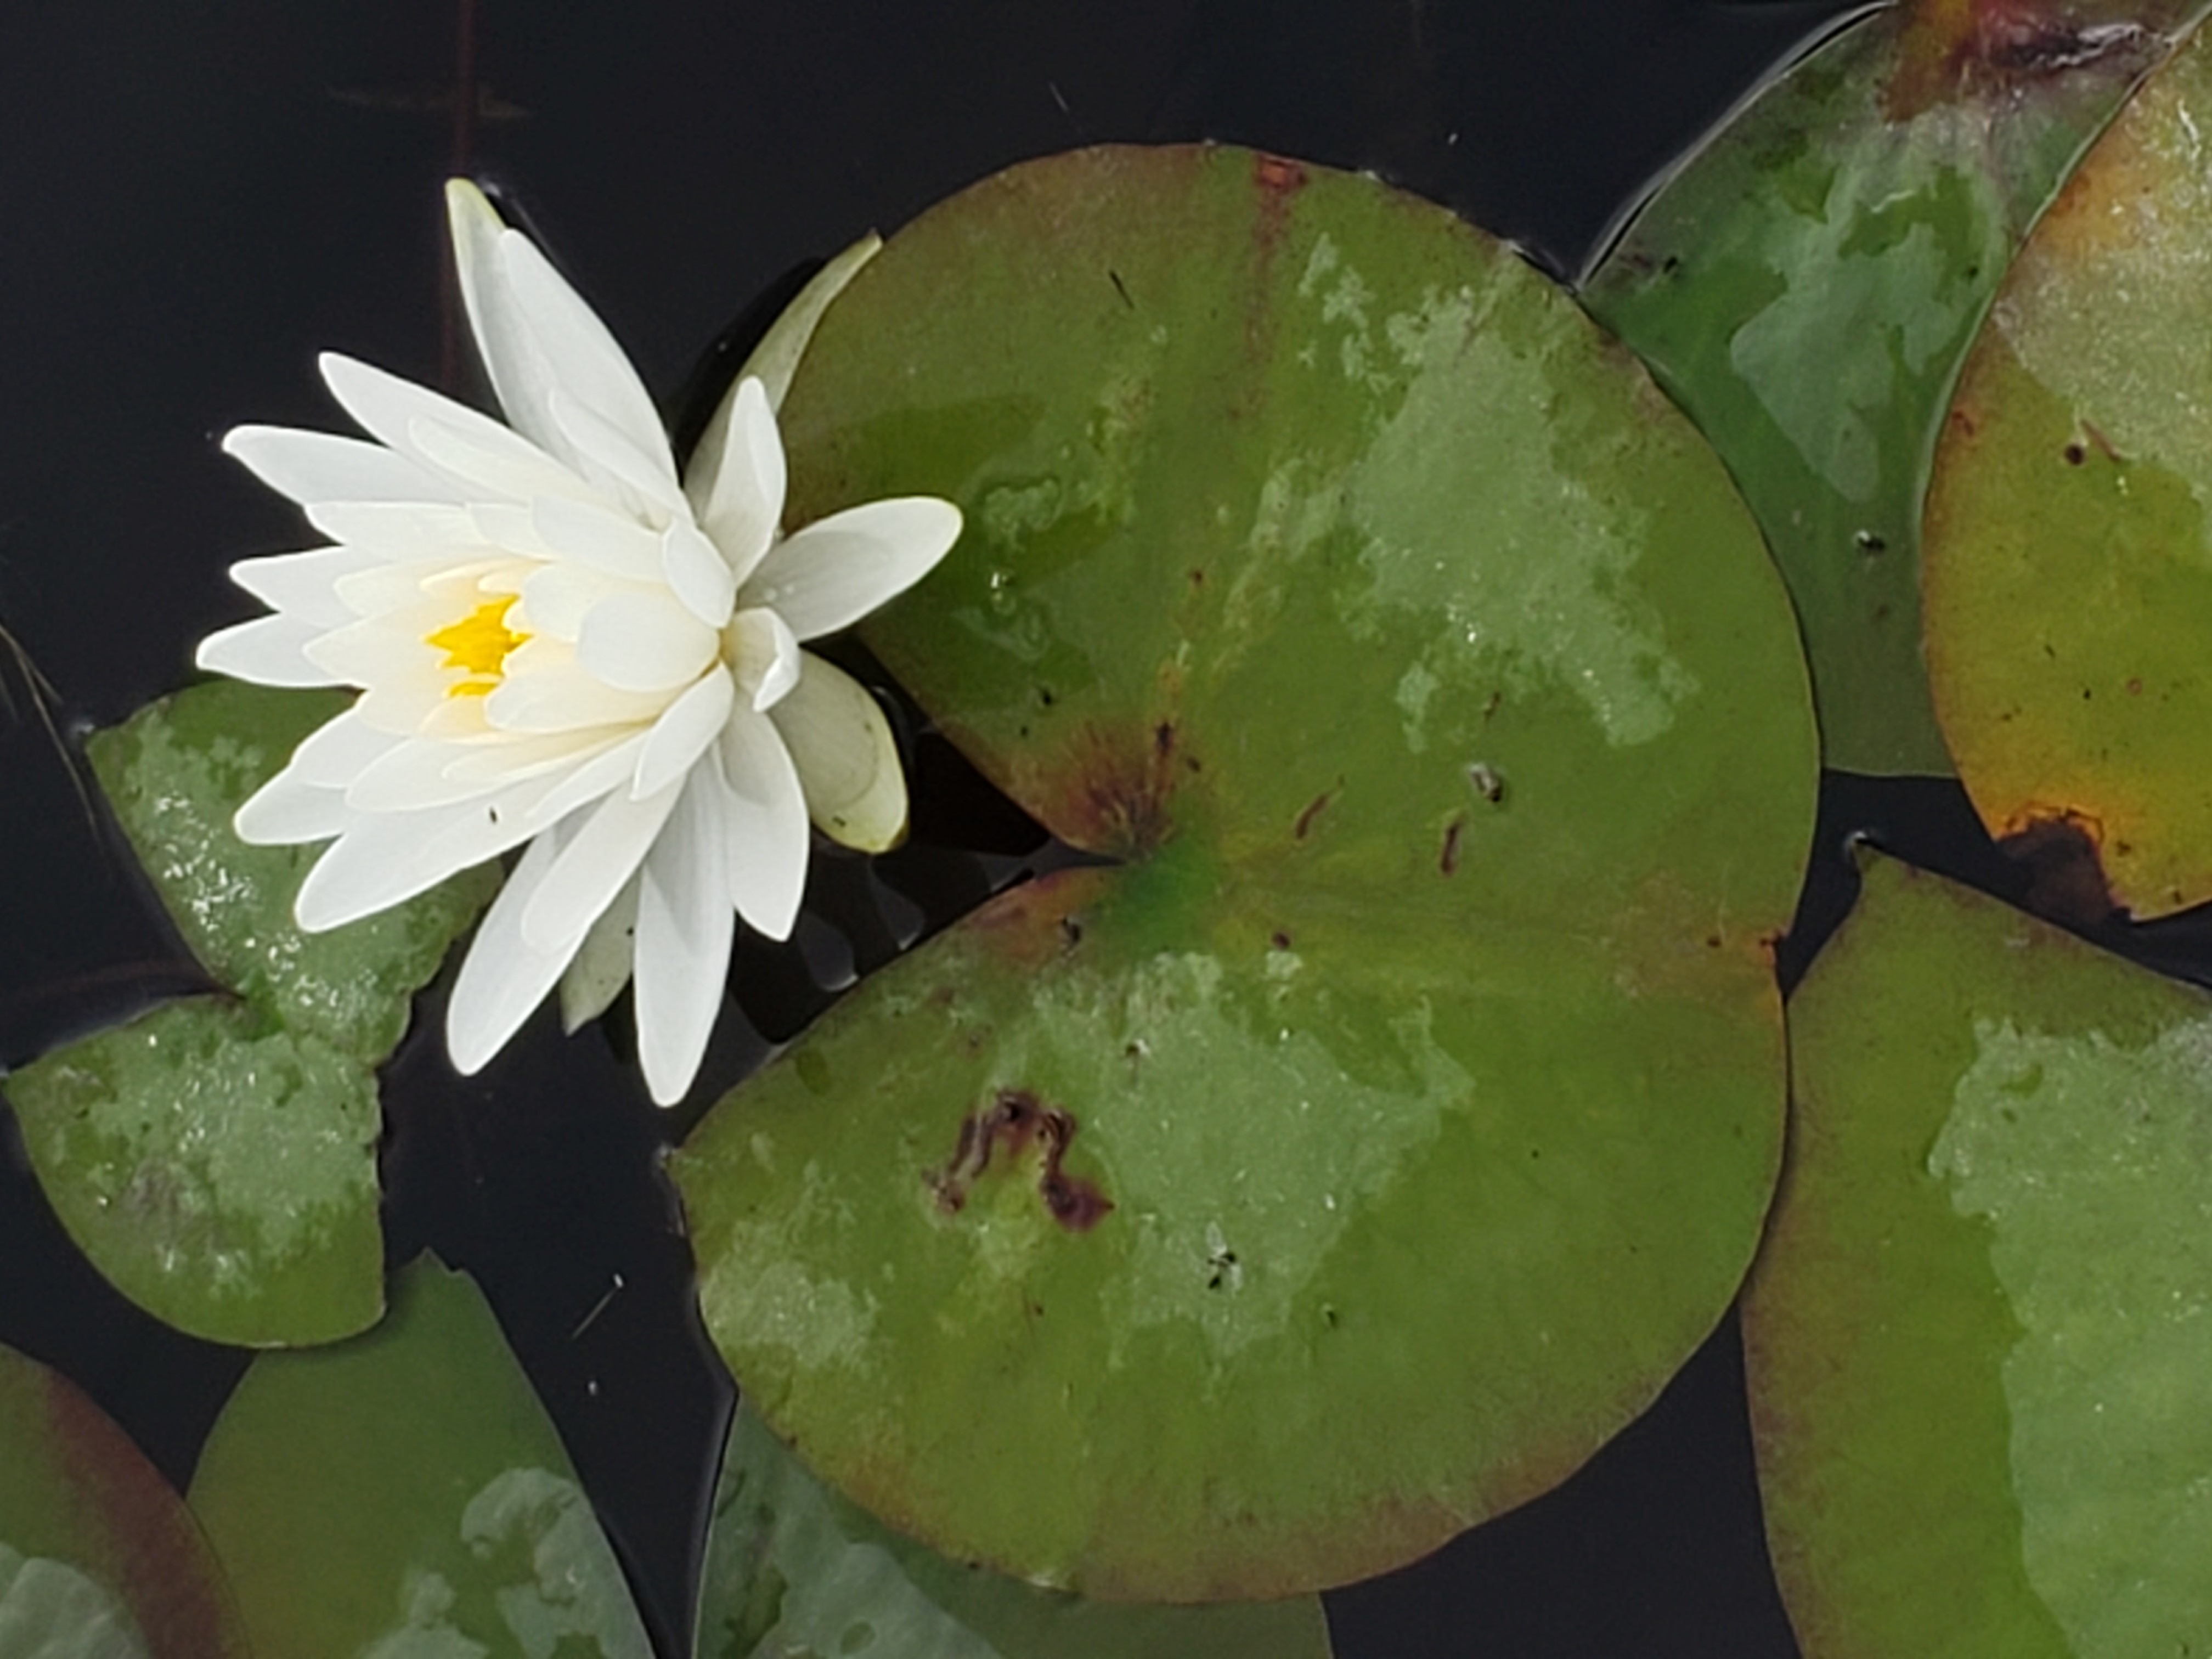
x,y
478,646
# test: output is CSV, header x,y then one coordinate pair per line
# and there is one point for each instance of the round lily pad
x,y
1977,1341
2068,565
1367,1144
98,1557
1809,281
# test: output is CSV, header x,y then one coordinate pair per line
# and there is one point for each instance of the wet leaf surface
x,y
1976,1337
98,1556
2070,567
792,1568
1808,285
216,1157
1347,1164
404,1493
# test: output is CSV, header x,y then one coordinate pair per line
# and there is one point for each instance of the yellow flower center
x,y
478,646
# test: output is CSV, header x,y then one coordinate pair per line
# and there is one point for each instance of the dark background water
x,y
195,199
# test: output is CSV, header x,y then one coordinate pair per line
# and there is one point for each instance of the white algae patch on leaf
x,y
2092,1162
50,1610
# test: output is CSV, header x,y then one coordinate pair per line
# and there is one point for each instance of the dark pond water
x,y
195,199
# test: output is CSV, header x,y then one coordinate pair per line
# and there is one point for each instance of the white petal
x,y
738,493
511,357
268,651
567,700
767,656
680,736
504,977
384,858
642,475
847,759
409,531
601,968
286,811
477,454
764,823
506,758
645,643
413,774
322,466
303,585
334,754
684,934
776,359
594,778
594,534
379,648
556,598
836,570
589,368
401,703
698,574
609,843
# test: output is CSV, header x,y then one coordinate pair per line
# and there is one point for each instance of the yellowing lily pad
x,y
1808,283
1979,1337
404,1493
792,1568
99,1558
1348,1162
2069,577
216,1158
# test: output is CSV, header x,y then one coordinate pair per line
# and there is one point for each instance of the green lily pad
x,y
1808,284
1347,1164
2069,561
98,1557
216,1158
404,1493
792,1568
1977,1336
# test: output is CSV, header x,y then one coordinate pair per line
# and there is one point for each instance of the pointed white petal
x,y
684,934
503,757
644,478
322,466
766,655
738,495
303,585
594,534
601,968
478,455
504,977
285,810
332,754
404,531
399,703
698,574
557,596
511,357
645,643
589,368
268,651
567,700
592,778
384,858
411,776
679,736
764,823
836,570
776,359
847,759
604,851
391,646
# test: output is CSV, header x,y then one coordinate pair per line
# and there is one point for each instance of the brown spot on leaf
x,y
1448,857
1016,1120
1952,49
2061,853
1305,823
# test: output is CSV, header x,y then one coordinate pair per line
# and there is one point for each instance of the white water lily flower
x,y
559,642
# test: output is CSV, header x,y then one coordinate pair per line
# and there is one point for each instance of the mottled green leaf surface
x,y
1809,282
1979,1336
2069,563
98,1557
403,1494
1352,1160
792,1568
216,1159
